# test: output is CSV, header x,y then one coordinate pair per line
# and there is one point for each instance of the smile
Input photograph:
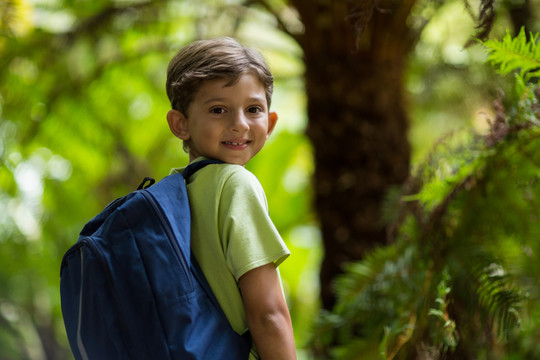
x,y
236,143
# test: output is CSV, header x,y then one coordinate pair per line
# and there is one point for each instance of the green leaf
x,y
515,54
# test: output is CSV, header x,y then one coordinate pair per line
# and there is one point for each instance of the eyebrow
x,y
219,99
213,100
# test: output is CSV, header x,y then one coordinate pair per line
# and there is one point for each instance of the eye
x,y
254,109
217,110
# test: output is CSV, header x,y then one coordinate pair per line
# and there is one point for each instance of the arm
x,y
267,314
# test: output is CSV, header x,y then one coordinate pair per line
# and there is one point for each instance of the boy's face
x,y
227,123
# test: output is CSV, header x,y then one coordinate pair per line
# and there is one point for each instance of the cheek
x,y
262,126
209,133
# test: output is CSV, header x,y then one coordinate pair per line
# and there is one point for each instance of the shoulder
x,y
233,185
239,175
229,176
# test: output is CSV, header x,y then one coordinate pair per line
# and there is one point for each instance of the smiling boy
x,y
220,95
227,122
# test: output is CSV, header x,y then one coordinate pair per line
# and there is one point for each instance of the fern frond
x,y
501,300
360,275
513,54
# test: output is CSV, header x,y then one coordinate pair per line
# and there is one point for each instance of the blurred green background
x,y
82,120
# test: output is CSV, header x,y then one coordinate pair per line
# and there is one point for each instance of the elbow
x,y
271,320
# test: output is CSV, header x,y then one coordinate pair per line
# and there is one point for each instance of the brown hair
x,y
203,60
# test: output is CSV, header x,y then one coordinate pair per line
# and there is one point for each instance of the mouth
x,y
236,143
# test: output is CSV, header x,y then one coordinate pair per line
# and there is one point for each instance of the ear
x,y
272,120
178,124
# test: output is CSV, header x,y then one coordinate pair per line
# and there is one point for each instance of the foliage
x,y
82,121
458,280
512,54
82,109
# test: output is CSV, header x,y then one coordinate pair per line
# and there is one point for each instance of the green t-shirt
x,y
231,233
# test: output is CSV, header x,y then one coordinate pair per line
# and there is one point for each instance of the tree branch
x,y
282,25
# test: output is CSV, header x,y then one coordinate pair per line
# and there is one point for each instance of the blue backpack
x,y
131,288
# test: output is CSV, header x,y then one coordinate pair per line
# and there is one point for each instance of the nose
x,y
239,122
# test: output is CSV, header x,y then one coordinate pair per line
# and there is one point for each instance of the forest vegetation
x,y
403,173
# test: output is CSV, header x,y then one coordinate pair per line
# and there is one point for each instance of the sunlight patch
x,y
25,220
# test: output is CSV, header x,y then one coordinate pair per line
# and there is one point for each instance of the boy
x,y
220,95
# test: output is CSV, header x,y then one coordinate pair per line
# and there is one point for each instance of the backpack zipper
x,y
170,234
80,344
90,243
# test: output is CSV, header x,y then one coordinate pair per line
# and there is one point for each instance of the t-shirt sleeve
x,y
249,237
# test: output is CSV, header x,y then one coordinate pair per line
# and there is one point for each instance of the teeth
x,y
234,143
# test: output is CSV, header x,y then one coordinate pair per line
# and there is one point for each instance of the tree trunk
x,y
357,121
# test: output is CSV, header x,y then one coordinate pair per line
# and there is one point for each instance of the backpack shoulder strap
x,y
194,167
